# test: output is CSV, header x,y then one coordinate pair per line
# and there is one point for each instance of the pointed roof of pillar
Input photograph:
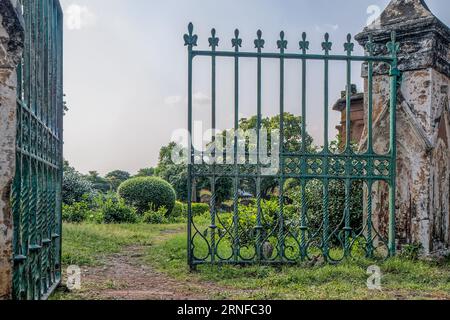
x,y
406,14
399,11
415,25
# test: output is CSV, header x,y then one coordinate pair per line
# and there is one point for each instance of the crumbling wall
x,y
440,169
423,127
11,38
423,159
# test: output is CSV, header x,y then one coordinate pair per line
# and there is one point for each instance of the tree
x,y
115,178
292,143
100,184
292,130
177,176
145,172
75,186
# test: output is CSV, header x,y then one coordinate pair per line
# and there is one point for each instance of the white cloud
x,y
327,27
332,26
201,99
198,98
171,100
79,17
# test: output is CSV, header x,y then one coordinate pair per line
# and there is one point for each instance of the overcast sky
x,y
126,68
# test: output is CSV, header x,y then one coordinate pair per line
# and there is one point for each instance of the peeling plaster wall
x,y
423,159
7,161
440,169
423,124
11,37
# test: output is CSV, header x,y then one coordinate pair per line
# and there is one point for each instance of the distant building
x,y
356,115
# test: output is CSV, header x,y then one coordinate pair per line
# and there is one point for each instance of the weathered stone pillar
x,y
423,121
11,41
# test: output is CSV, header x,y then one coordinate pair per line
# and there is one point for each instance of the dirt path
x,y
124,276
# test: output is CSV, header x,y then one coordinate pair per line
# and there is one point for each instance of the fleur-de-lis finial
x,y
190,39
349,46
304,45
370,46
326,46
213,41
392,46
282,44
236,42
259,42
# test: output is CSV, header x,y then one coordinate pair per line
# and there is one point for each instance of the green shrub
x,y
411,252
199,209
336,200
155,217
75,213
117,211
95,216
145,193
179,210
248,217
75,186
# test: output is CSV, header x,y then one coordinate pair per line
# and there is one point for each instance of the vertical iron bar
x,y
259,43
60,72
282,45
304,46
191,157
325,236
370,103
213,43
370,151
190,41
348,148
394,47
237,44
369,219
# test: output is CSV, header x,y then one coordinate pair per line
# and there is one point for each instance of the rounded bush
x,y
148,193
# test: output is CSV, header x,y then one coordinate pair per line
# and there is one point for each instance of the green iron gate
x,y
36,192
279,238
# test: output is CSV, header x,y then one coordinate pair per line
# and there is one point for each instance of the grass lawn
x,y
165,250
91,244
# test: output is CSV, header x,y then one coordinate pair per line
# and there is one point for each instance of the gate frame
x,y
395,76
36,191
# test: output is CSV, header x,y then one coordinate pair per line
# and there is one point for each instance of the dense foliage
x,y
156,216
146,172
101,209
116,178
145,193
75,186
99,183
115,210
152,193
